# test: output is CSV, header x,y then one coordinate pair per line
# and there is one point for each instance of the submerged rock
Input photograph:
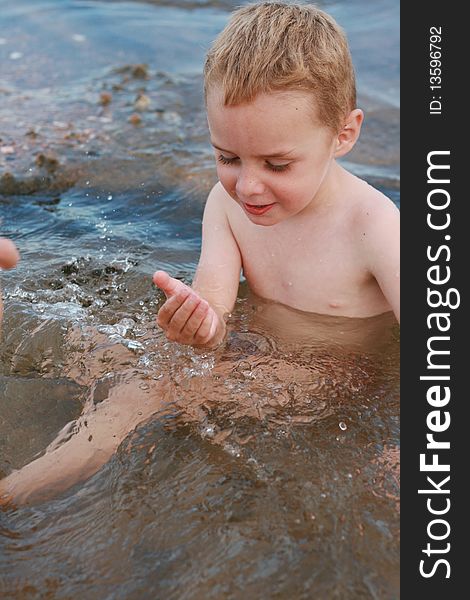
x,y
135,119
142,102
49,162
105,98
11,185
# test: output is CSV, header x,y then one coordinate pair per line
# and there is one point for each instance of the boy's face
x,y
272,156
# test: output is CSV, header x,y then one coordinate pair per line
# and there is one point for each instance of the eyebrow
x,y
274,155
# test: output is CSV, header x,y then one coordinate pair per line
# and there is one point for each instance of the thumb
x,y
169,285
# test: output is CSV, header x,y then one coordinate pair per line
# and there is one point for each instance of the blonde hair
x,y
275,46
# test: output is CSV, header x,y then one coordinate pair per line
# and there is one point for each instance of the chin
x,y
262,220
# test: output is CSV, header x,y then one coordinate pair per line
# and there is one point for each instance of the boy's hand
x,y
8,258
8,254
185,317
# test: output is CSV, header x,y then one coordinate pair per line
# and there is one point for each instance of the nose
x,y
248,184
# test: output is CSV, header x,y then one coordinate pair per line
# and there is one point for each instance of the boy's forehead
x,y
272,125
283,105
216,98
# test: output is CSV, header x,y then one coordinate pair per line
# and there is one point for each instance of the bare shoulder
x,y
375,218
372,208
218,198
215,210
377,233
220,201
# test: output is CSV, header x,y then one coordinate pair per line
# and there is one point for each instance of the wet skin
x,y
305,232
9,257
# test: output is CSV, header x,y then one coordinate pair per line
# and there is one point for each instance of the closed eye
x,y
226,161
277,168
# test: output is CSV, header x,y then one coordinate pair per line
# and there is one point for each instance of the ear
x,y
347,137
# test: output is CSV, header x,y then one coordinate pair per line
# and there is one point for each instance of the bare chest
x,y
316,271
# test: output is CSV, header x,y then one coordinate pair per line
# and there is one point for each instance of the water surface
x,y
274,470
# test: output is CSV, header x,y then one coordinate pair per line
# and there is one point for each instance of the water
x,y
268,468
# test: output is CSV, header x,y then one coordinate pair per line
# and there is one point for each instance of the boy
x,y
280,96
281,104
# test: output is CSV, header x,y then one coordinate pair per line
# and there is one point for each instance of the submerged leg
x,y
92,440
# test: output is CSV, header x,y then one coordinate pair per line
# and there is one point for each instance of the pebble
x,y
135,119
105,98
47,161
140,71
142,102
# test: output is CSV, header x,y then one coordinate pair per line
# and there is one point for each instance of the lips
x,y
258,209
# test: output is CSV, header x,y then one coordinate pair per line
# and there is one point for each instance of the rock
x,y
7,184
140,71
105,98
47,161
7,150
135,119
142,102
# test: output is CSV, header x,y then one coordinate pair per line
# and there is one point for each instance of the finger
x,y
207,328
194,322
9,255
169,285
167,311
182,315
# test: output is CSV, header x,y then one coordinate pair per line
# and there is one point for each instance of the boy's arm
x,y
218,272
381,245
195,316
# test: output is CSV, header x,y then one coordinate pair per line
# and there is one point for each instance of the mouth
x,y
257,209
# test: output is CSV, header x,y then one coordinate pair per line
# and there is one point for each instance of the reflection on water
x,y
269,468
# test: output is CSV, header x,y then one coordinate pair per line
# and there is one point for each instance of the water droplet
x,y
209,431
343,426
